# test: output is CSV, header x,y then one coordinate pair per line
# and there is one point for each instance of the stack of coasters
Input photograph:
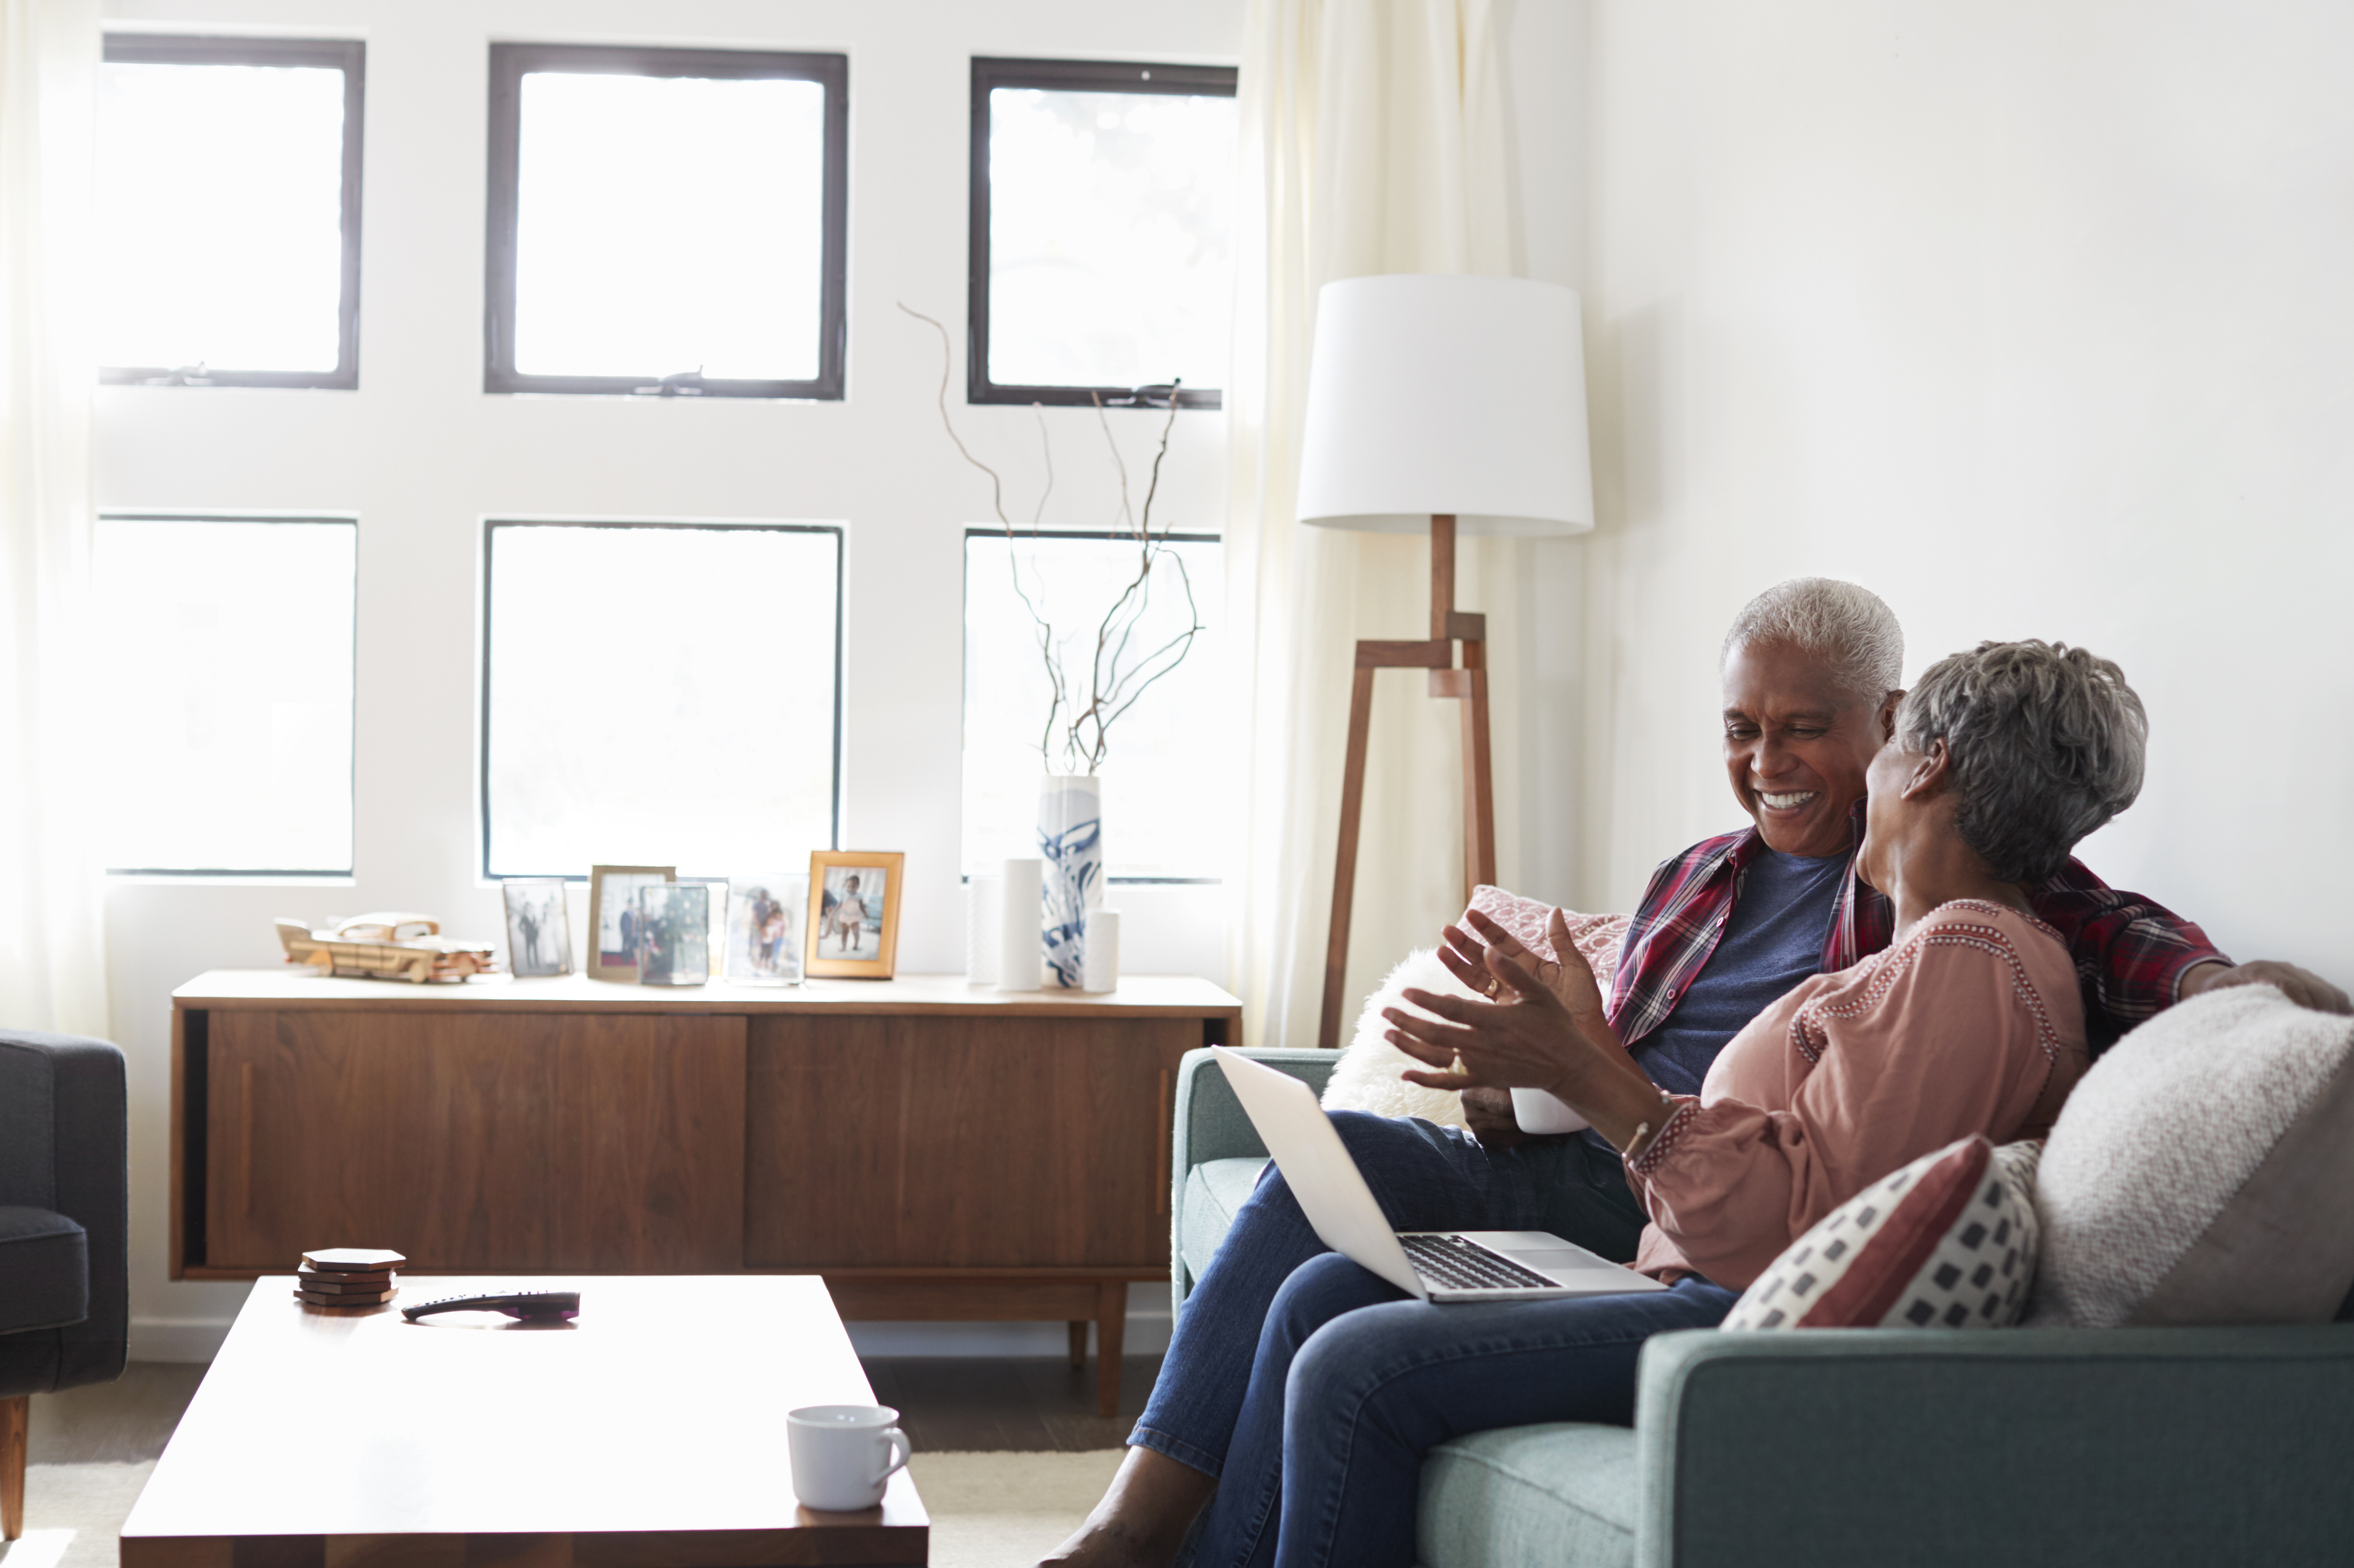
x,y
347,1276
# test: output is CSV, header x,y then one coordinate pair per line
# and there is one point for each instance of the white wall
x,y
2034,317
422,454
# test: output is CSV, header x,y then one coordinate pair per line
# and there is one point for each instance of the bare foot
x,y
1143,1517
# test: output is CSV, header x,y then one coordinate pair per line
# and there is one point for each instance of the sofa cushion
x,y
1214,1191
1563,1493
44,1270
2203,1172
1948,1241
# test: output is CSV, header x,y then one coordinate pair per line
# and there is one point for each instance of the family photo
x,y
849,920
764,929
613,912
539,929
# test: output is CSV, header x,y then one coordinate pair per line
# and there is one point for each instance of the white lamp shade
x,y
1431,392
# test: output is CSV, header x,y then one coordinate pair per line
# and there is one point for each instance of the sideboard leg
x,y
1112,1322
1078,1343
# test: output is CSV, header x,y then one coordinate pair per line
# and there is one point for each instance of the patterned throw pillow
x,y
1946,1243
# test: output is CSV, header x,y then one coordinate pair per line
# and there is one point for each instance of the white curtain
x,y
52,946
1372,141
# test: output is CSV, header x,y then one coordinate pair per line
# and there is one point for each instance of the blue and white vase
x,y
1070,840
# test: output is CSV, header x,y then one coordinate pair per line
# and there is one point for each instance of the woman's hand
x,y
1533,1035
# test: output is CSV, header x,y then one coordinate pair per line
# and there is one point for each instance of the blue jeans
x,y
1354,1382
1427,1178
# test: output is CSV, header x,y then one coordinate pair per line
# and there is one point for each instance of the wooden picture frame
x,y
840,877
624,882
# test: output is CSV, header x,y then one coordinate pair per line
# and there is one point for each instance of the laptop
x,y
1433,1266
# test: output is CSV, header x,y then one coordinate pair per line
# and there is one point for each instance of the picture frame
x,y
852,931
674,933
613,918
539,927
717,943
767,916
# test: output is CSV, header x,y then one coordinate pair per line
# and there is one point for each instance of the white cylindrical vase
x,y
1020,962
1070,842
1103,951
984,926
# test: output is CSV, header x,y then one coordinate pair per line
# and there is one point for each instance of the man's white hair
x,y
1848,626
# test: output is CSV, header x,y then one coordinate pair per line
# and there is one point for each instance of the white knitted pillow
x,y
2203,1172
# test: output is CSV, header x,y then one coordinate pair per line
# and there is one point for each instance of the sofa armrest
x,y
1879,1447
1211,1125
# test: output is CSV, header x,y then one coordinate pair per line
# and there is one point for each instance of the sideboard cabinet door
x,y
948,1141
470,1141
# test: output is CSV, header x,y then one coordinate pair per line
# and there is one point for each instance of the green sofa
x,y
1892,1449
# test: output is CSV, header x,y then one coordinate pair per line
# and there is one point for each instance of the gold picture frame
x,y
853,896
620,882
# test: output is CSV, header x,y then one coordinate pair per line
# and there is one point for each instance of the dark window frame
x,y
1098,534
510,62
482,726
351,780
1066,75
346,55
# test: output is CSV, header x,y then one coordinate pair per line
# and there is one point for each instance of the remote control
x,y
514,1303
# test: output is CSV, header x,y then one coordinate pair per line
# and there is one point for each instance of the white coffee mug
x,y
844,1454
1538,1111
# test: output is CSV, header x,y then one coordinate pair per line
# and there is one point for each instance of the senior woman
x,y
1969,1023
1726,929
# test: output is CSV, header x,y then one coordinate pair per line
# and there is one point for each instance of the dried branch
x,y
997,503
1115,679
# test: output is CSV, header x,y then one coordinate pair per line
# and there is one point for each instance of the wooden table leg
x,y
15,1415
1112,1321
1079,1343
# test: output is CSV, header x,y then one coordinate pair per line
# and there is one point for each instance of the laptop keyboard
x,y
1460,1265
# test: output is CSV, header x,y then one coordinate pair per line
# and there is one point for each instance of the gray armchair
x,y
65,1250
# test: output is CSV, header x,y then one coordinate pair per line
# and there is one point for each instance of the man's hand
x,y
2302,987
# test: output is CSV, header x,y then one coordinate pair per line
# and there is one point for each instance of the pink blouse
x,y
1970,1023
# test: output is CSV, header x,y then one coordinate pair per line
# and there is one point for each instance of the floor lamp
x,y
1454,404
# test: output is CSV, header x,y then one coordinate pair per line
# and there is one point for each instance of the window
x,y
666,221
1103,202
658,693
1164,802
225,656
228,212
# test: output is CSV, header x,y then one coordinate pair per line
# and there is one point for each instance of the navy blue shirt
x,y
1773,940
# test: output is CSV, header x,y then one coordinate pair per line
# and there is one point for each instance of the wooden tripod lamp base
x,y
1467,683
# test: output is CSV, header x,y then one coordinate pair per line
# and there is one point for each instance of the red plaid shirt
x,y
2130,953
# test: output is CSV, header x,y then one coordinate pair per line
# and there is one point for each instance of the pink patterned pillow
x,y
1598,936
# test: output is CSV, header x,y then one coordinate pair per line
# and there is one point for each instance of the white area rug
x,y
989,1510
74,1514
1006,1511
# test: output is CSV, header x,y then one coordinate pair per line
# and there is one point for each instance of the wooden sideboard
x,y
935,1150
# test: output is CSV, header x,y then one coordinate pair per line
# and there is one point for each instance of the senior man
x,y
1810,672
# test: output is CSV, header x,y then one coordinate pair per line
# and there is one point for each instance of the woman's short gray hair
x,y
2045,743
1848,625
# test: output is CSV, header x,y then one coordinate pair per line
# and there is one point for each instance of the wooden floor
x,y
946,1403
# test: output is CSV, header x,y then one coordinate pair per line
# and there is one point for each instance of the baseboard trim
x,y
177,1339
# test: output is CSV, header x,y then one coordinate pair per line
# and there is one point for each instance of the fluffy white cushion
x,y
2203,1172
1367,1077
